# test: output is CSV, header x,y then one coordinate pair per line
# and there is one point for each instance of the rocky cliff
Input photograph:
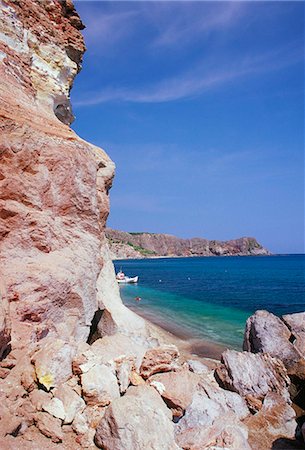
x,y
78,369
125,245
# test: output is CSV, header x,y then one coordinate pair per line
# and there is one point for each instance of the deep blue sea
x,y
211,298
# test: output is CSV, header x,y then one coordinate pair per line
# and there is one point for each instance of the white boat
x,y
122,278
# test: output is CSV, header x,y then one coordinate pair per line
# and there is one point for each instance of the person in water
x,y
137,299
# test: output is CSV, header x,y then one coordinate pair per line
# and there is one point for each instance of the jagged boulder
x,y
266,333
275,421
138,420
99,386
53,362
296,324
159,359
253,376
176,389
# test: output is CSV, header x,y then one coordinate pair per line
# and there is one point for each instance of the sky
x,y
201,107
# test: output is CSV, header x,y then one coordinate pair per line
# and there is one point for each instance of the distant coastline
x,y
138,245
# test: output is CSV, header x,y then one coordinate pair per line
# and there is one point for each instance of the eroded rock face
x,y
267,333
54,185
139,420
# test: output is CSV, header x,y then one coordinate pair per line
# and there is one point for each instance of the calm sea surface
x,y
211,298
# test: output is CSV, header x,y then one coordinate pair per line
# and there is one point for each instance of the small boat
x,y
122,278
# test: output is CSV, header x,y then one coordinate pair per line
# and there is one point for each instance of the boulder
x,y
212,410
99,385
110,348
296,324
266,333
253,376
275,421
159,359
71,401
55,407
197,366
176,389
124,368
53,362
138,420
49,426
226,432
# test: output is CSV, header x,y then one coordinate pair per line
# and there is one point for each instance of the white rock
x,y
99,386
56,408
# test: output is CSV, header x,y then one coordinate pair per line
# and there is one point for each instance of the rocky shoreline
x,y
77,368
125,245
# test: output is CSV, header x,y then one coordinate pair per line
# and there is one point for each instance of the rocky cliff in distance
x,y
125,245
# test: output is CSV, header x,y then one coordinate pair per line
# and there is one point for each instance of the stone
x,y
71,401
176,389
49,426
55,407
212,410
80,424
197,366
138,420
275,420
253,376
99,386
53,362
225,433
159,359
266,333
136,379
124,367
296,324
39,398
110,348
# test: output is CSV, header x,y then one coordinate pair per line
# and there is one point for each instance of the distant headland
x,y
124,245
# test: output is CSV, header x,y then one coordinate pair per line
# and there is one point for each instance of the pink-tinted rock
x,y
176,388
253,376
138,420
266,333
275,421
49,426
159,359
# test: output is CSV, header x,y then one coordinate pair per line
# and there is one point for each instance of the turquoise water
x,y
211,298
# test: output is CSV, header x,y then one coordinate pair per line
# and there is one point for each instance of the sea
x,y
210,298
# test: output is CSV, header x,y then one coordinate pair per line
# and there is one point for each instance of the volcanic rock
x,y
138,420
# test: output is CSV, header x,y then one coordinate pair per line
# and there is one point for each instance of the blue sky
x,y
201,106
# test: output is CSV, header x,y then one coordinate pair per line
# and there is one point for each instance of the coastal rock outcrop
x,y
253,376
267,333
139,420
125,245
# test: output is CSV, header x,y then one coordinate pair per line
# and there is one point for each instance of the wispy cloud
x,y
201,79
187,25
